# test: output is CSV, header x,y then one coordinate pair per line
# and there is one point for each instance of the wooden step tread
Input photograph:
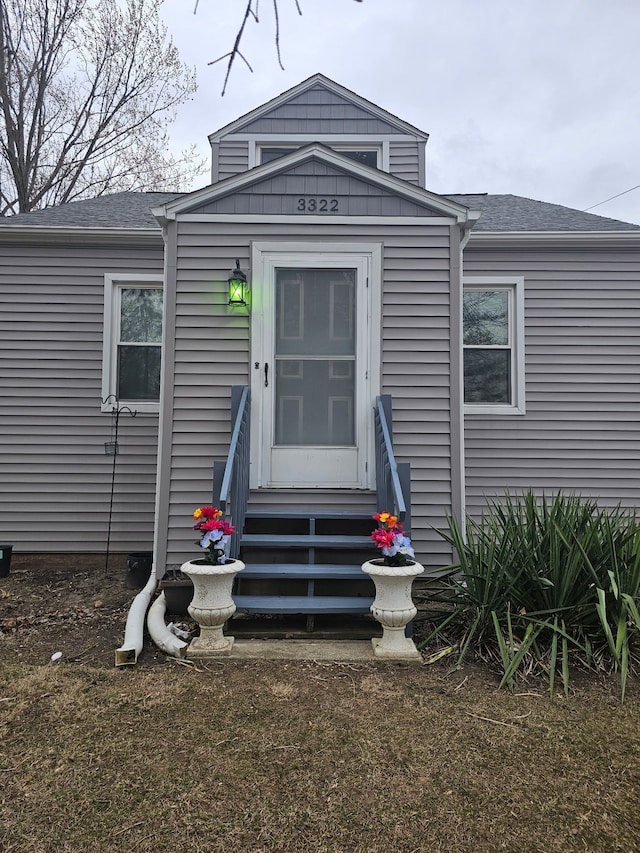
x,y
304,541
302,603
296,512
305,571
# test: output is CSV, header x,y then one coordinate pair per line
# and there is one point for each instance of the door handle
x,y
266,375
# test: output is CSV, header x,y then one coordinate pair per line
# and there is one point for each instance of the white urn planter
x,y
393,607
211,605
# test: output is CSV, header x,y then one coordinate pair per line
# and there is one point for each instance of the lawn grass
x,y
257,757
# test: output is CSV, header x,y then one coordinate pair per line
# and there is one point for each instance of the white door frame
x,y
265,257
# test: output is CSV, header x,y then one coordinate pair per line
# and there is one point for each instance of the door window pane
x,y
315,350
315,312
314,402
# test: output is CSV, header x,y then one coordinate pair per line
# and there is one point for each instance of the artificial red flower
x,y
383,538
211,512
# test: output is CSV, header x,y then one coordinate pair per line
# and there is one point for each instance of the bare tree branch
x,y
235,50
251,10
88,89
277,37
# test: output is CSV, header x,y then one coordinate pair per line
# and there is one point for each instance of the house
x,y
502,333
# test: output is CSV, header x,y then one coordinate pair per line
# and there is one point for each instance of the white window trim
x,y
515,284
113,284
337,143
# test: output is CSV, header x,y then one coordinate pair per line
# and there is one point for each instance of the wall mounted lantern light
x,y
238,286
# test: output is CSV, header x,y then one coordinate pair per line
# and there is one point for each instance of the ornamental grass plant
x,y
542,583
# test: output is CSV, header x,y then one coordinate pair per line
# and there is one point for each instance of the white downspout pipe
x,y
160,634
127,654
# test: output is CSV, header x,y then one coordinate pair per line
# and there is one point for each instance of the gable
x,y
314,186
321,111
319,106
315,180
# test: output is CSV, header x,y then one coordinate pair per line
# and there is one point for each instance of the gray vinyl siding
x,y
55,479
232,159
321,114
338,192
212,354
404,161
319,110
580,432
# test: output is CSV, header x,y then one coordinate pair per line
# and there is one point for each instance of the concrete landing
x,y
340,651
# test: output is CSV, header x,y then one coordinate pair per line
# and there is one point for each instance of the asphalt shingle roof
x,y
509,213
117,210
500,213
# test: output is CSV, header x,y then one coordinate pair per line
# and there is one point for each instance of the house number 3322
x,y
315,204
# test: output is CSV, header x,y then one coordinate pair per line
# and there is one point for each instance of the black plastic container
x,y
139,569
178,591
5,560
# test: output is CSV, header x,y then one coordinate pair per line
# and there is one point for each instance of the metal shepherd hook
x,y
111,449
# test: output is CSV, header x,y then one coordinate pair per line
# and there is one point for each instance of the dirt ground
x,y
79,610
76,608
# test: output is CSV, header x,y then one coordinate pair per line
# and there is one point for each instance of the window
x,y
267,154
132,341
367,155
493,345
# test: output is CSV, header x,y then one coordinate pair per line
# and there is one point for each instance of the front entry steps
x,y
303,575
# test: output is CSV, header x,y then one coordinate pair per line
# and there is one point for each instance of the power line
x,y
631,189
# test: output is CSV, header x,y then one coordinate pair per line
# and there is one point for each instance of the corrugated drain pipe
x,y
127,654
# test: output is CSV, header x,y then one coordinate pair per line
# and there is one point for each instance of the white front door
x,y
312,373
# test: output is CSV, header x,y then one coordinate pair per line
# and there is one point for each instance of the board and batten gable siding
x,y
212,353
55,476
319,110
319,114
332,191
581,429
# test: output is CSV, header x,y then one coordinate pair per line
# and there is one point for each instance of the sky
x,y
538,98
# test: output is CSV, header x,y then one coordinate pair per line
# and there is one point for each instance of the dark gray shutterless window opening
x,y
367,156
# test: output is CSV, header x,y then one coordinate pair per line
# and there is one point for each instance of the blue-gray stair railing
x,y
393,479
231,478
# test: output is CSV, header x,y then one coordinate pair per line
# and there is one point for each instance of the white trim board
x,y
265,257
112,282
327,219
513,284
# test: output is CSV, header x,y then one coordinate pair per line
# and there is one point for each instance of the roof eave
x,y
559,239
79,234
